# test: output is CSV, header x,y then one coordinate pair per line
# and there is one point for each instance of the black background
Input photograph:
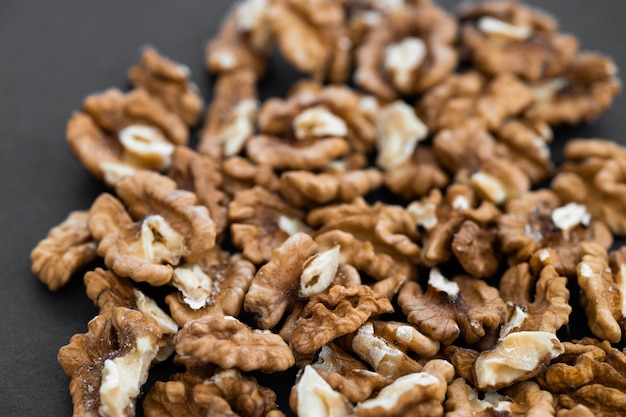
x,y
54,53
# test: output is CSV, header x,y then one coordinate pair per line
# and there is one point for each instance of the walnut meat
x,y
229,343
407,52
508,37
472,96
449,309
420,393
67,247
581,94
261,222
109,364
312,396
593,175
328,316
538,221
170,83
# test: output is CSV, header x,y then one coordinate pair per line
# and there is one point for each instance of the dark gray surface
x,y
54,53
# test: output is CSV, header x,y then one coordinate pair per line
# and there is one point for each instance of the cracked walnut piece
x,y
462,307
509,37
229,343
109,364
67,247
170,83
407,52
593,175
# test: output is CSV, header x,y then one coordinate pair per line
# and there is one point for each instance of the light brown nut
x,y
305,188
131,249
407,337
333,359
420,393
420,174
241,174
469,152
508,37
338,312
462,307
226,393
527,143
593,175
538,220
109,292
147,193
170,83
602,293
230,119
474,248
577,410
229,343
113,111
582,93
586,362
548,311
261,221
275,286
384,356
463,360
216,284
312,396
519,356
522,399
311,36
66,248
600,400
273,152
471,96
201,175
109,364
244,40
407,52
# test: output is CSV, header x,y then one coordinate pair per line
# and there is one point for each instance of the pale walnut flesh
x,y
421,393
229,343
67,247
315,397
517,357
109,364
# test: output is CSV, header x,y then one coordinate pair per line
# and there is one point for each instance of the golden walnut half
x,y
109,364
67,247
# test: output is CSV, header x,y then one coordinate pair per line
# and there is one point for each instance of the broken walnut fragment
x,y
67,247
519,356
170,83
229,343
109,364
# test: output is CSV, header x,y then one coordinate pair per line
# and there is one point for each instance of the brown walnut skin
x,y
168,82
431,25
67,247
229,343
328,316
476,310
545,53
83,358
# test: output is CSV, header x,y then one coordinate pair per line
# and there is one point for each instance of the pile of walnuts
x,y
394,229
